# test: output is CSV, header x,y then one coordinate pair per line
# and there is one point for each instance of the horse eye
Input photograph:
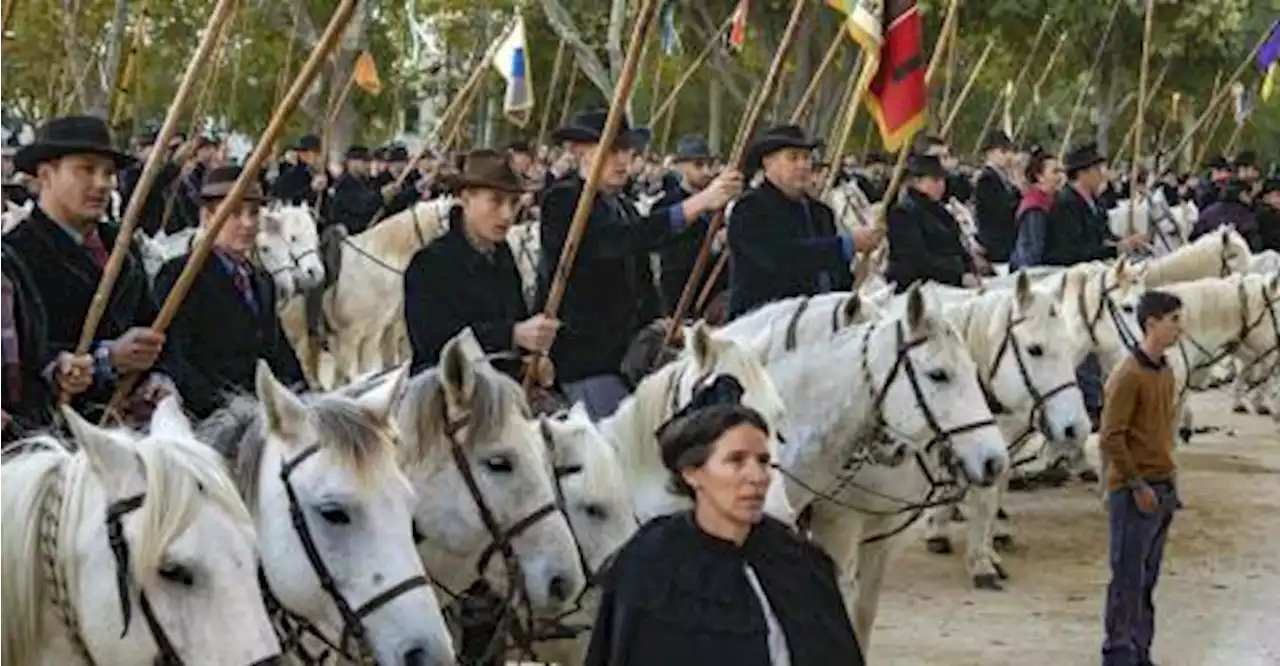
x,y
499,464
1035,350
335,515
418,536
596,511
939,376
177,574
1127,308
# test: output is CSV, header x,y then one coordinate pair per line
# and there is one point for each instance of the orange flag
x,y
366,74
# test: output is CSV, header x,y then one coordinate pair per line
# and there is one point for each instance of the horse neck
x,y
1212,316
396,239
1200,259
631,428
981,322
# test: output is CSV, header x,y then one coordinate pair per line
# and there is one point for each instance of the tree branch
x,y
613,44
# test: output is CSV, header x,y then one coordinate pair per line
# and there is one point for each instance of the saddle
x,y
318,326
647,353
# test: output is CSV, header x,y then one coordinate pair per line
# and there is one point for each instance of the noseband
x,y
294,627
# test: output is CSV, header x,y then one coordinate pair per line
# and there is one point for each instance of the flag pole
x,y
668,102
810,91
954,111
1139,116
1088,81
551,89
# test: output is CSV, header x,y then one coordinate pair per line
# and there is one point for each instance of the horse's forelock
x,y
494,400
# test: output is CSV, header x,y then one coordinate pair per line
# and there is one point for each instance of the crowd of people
x,y
781,238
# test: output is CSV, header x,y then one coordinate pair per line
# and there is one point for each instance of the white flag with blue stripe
x,y
511,59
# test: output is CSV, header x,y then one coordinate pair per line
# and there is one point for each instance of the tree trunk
x,y
111,67
715,107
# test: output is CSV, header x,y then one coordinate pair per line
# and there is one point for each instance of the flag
x,y
1269,54
511,61
891,32
1243,105
738,28
366,74
1268,82
670,38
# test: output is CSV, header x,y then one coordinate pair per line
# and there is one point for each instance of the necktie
x,y
240,278
97,251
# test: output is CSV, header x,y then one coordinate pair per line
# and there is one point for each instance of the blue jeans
x,y
1137,547
1089,377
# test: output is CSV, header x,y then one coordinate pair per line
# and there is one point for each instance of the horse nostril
x,y
559,588
991,469
416,657
1070,432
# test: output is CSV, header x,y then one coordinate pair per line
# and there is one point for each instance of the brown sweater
x,y
1137,422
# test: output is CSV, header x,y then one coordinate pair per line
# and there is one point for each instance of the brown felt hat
x,y
218,183
487,169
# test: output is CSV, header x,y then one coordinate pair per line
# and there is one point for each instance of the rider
x,y
307,178
228,320
924,239
693,163
64,247
996,198
468,278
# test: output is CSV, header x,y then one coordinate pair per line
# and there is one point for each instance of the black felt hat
x,y
487,169
692,148
357,153
69,135
307,142
997,139
925,166
778,138
1083,157
588,127
218,183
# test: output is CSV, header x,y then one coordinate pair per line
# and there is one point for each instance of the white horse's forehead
x,y
327,476
215,539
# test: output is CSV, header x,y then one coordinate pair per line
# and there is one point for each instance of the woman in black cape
x,y
723,583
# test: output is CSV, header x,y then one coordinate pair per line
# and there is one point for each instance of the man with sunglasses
x,y
694,170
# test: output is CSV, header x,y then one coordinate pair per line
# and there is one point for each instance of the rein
x,y
293,628
417,232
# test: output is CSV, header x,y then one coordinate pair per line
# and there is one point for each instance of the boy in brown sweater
x,y
1137,441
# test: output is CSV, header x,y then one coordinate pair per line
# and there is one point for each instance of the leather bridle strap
x,y
168,655
789,343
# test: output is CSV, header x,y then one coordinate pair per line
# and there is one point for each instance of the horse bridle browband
x,y
1106,305
294,626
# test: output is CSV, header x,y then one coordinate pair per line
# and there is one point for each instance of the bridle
x,y
295,261
942,440
60,596
1039,399
1213,356
508,622
417,232
294,628
790,342
1107,306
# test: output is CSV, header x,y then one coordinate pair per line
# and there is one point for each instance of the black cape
x,y
677,596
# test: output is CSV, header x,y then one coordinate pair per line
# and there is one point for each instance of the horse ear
x,y
169,418
578,412
284,412
1118,269
1022,289
111,460
915,306
381,400
459,374
698,340
850,308
470,345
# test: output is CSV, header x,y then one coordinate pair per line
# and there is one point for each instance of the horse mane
x,y
397,237
981,322
238,432
422,411
1213,304
177,470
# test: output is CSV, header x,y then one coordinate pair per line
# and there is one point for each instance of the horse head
x,y
290,233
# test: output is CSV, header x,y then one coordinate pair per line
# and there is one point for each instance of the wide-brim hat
x,y
218,183
1246,158
588,127
70,135
996,139
692,148
395,154
922,166
1083,157
1217,162
357,153
487,169
775,139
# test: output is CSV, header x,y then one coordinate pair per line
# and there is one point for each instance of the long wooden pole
x,y
1217,113
737,158
954,111
1034,106
1017,82
568,90
1139,116
853,98
9,6
811,90
1088,81
328,41
1143,68
586,199
222,14
551,89
669,102
1226,87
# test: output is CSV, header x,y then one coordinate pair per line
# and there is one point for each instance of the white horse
x,y
525,240
1026,367
886,419
14,214
593,489
366,304
1165,226
1216,254
851,206
486,506
288,241
334,515
631,429
778,328
182,578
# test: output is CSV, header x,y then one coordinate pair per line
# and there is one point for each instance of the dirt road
x,y
1218,603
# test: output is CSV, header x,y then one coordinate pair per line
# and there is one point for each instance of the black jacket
x,y
218,338
293,185
1077,231
677,596
611,294
450,285
997,199
676,258
924,243
353,203
782,248
23,391
65,277
164,188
